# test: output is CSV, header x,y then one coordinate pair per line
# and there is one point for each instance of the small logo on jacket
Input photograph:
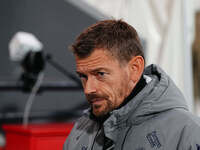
x,y
153,140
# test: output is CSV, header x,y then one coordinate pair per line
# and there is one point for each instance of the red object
x,y
36,136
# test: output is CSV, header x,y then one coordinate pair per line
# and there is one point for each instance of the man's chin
x,y
99,113
100,110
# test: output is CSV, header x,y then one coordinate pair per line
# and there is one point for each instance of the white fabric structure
x,y
166,26
197,5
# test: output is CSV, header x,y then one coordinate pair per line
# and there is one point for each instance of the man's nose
x,y
90,86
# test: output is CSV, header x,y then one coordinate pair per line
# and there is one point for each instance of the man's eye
x,y
82,76
101,73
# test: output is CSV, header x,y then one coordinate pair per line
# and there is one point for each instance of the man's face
x,y
106,83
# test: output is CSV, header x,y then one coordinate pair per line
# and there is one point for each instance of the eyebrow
x,y
95,70
99,69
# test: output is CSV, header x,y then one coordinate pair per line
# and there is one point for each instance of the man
x,y
132,107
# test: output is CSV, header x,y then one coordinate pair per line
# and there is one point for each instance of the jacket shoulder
x,y
173,129
81,127
190,135
180,128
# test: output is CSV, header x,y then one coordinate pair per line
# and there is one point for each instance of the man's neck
x,y
139,86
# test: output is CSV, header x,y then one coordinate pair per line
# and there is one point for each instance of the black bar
x,y
48,86
57,66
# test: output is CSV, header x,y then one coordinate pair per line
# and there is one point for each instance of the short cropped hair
x,y
115,36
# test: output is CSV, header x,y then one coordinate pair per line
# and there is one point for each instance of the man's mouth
x,y
97,100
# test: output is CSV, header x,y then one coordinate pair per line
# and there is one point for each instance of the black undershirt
x,y
139,86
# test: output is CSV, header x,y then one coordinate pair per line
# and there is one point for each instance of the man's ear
x,y
136,68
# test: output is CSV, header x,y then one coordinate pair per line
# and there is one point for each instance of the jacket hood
x,y
159,95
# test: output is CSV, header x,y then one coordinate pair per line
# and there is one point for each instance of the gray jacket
x,y
157,118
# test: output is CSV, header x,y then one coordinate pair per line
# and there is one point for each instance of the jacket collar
x,y
159,95
119,118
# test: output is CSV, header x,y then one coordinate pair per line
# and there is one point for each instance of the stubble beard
x,y
108,105
102,109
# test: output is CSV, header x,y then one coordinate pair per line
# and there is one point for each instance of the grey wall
x,y
56,23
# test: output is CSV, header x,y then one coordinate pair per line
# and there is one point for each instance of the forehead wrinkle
x,y
90,63
89,68
98,59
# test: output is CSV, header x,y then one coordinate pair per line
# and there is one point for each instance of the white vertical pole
x,y
188,28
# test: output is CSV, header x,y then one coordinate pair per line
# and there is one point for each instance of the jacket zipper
x,y
95,137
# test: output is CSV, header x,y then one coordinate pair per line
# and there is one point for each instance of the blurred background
x,y
169,30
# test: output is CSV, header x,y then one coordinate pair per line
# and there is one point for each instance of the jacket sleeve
x,y
190,137
67,143
78,129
